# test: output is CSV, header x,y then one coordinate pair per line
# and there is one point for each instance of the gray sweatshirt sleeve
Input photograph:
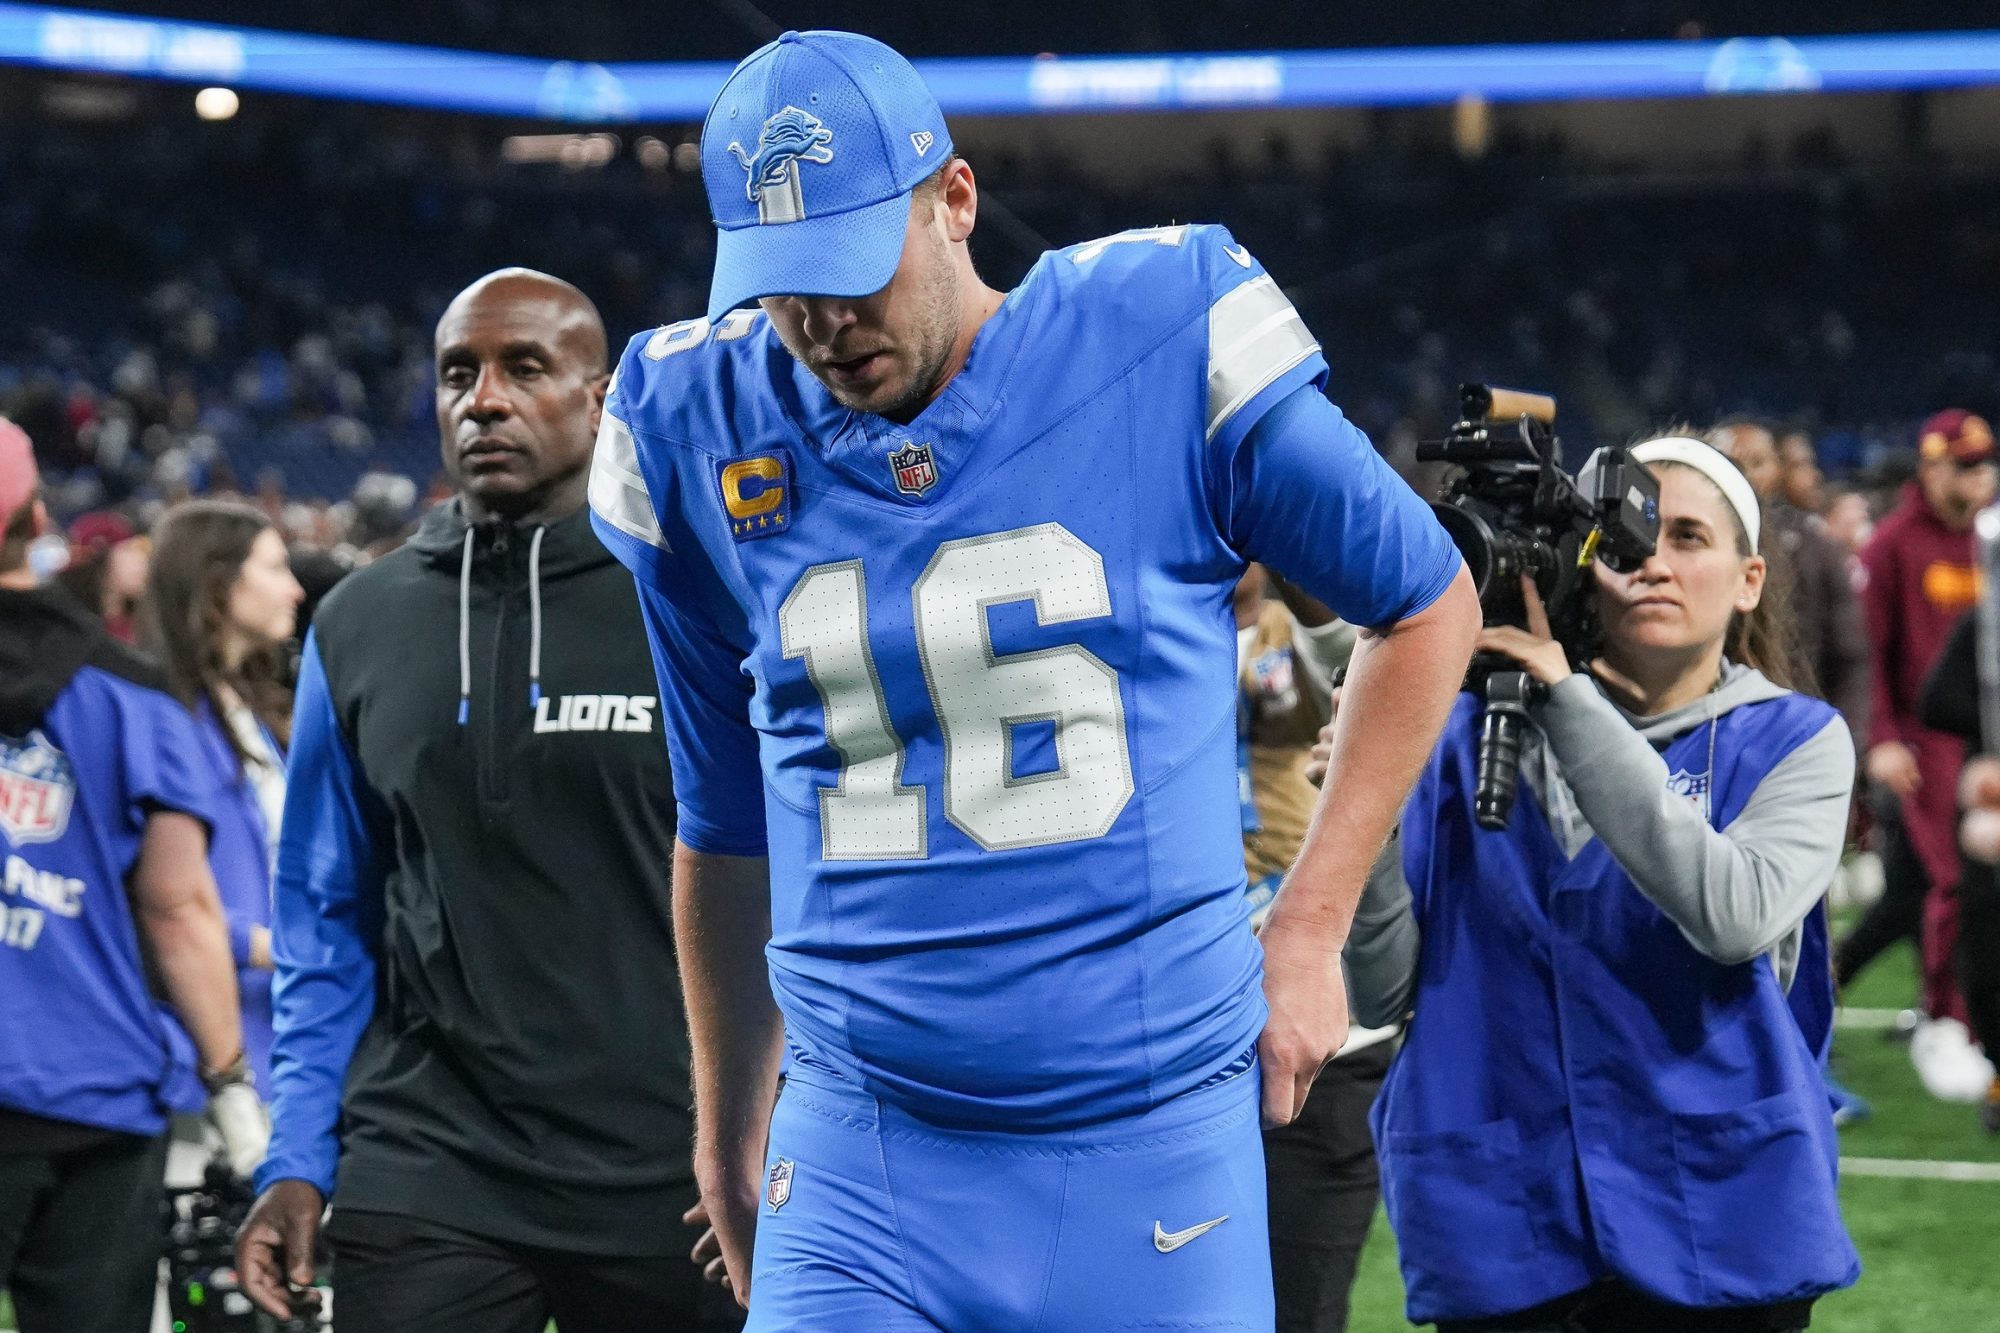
x,y
1737,893
1381,953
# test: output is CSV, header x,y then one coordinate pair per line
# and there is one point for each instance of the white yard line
x,y
1848,1016
1896,1168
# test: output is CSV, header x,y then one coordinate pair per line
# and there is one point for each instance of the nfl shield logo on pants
x,y
779,1188
915,472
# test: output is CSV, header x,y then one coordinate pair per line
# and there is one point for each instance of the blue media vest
x,y
1583,1093
84,1039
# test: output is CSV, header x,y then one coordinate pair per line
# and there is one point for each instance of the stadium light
x,y
216,103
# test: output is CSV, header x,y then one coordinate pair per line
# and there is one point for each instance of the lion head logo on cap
x,y
788,138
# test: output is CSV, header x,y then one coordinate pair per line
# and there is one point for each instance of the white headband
x,y
1712,463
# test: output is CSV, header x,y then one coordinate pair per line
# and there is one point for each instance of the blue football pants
x,y
884,1223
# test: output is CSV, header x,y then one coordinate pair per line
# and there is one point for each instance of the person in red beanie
x,y
1920,579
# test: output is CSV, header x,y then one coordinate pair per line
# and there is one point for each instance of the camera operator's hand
x,y
1322,751
1534,647
274,1249
240,1118
1893,765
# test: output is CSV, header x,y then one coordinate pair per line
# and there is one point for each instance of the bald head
x,y
560,308
520,384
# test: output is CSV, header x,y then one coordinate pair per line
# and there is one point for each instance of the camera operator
x,y
114,956
1622,999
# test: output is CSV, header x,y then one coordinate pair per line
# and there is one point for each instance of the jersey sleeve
x,y
704,693
326,921
711,742
623,509
1257,350
166,765
1306,493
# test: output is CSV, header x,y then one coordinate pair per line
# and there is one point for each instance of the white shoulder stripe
x,y
617,492
1254,336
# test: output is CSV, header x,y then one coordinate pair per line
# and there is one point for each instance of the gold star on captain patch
x,y
763,522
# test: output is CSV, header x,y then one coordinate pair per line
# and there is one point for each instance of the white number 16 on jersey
x,y
870,814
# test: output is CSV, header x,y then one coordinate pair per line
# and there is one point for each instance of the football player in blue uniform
x,y
939,584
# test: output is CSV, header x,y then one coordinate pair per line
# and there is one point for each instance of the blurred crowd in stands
x,y
248,310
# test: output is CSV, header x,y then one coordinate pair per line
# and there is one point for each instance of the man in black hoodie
x,y
472,932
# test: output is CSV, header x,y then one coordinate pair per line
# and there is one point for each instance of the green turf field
x,y
1927,1246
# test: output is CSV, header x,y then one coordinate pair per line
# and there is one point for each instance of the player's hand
x,y
1535,647
707,1252
729,1207
1307,994
274,1249
1893,765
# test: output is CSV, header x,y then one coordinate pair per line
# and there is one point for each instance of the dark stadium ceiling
x,y
607,30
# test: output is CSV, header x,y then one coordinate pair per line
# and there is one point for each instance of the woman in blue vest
x,y
1608,1113
219,612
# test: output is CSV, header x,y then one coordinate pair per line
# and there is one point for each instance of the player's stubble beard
x,y
933,331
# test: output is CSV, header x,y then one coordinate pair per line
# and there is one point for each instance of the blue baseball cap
x,y
809,154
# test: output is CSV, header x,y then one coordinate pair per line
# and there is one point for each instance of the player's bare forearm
x,y
179,914
1399,690
722,921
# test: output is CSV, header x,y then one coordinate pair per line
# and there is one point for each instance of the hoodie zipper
x,y
491,741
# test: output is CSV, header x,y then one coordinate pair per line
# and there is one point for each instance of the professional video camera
x,y
203,1293
1513,511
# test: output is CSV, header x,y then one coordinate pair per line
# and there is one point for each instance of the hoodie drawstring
x,y
465,624
535,618
465,631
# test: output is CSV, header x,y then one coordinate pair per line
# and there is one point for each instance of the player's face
x,y
515,398
264,600
1679,602
883,353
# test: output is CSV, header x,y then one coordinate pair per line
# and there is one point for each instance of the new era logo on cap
x,y
809,154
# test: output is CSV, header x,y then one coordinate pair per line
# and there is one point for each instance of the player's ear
x,y
960,197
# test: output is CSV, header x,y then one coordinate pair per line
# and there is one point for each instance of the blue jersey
x,y
970,681
85,1040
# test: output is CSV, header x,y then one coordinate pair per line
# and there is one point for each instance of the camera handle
x,y
1508,694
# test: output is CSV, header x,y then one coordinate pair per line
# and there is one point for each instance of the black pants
x,y
1613,1307
81,1235
395,1274
1899,913
1979,950
1322,1180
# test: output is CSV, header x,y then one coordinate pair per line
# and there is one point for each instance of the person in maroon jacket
x,y
1920,580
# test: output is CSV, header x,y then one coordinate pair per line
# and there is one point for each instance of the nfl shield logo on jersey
x,y
779,1188
1694,786
914,469
37,789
